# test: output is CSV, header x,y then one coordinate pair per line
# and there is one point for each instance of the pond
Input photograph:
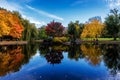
x,y
60,62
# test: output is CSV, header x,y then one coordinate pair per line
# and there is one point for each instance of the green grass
x,y
108,39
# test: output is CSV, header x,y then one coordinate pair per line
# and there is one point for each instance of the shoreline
x,y
13,42
66,43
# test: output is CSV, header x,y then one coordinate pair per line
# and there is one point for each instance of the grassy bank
x,y
101,39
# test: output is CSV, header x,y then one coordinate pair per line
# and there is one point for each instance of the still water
x,y
60,62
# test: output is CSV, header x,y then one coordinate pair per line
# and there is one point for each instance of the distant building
x,y
95,18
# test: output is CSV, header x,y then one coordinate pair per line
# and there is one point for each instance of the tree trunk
x,y
115,37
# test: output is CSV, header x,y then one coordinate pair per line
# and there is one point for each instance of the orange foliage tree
x,y
10,24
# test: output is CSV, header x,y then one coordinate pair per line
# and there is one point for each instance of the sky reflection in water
x,y
76,62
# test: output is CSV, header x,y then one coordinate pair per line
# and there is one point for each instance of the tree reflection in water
x,y
11,58
29,50
74,52
111,57
53,54
54,57
92,53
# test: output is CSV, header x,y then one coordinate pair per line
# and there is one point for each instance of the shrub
x,y
60,39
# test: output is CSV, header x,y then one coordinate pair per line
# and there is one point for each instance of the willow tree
x,y
30,31
27,30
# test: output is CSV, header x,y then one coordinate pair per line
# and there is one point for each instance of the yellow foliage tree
x,y
93,29
4,23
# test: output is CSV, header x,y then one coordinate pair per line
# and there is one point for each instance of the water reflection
x,y
111,57
93,57
29,50
92,53
11,58
74,52
53,54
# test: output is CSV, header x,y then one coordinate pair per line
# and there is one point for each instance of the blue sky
x,y
42,12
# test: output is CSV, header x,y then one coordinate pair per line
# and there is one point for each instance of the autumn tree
x,y
30,31
17,27
54,29
4,23
112,23
10,25
92,29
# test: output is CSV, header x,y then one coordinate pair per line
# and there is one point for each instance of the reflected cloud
x,y
35,67
37,54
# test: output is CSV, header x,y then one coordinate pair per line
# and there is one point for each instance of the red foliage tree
x,y
54,29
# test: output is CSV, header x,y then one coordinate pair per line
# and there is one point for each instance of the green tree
x,y
74,30
112,23
41,33
27,30
34,31
30,31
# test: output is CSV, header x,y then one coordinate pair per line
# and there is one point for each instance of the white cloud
x,y
28,1
45,13
12,6
113,3
77,3
35,21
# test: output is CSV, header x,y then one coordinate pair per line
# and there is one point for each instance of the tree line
x,y
14,26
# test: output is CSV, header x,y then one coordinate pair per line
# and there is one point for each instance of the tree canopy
x,y
112,23
92,29
10,25
54,29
